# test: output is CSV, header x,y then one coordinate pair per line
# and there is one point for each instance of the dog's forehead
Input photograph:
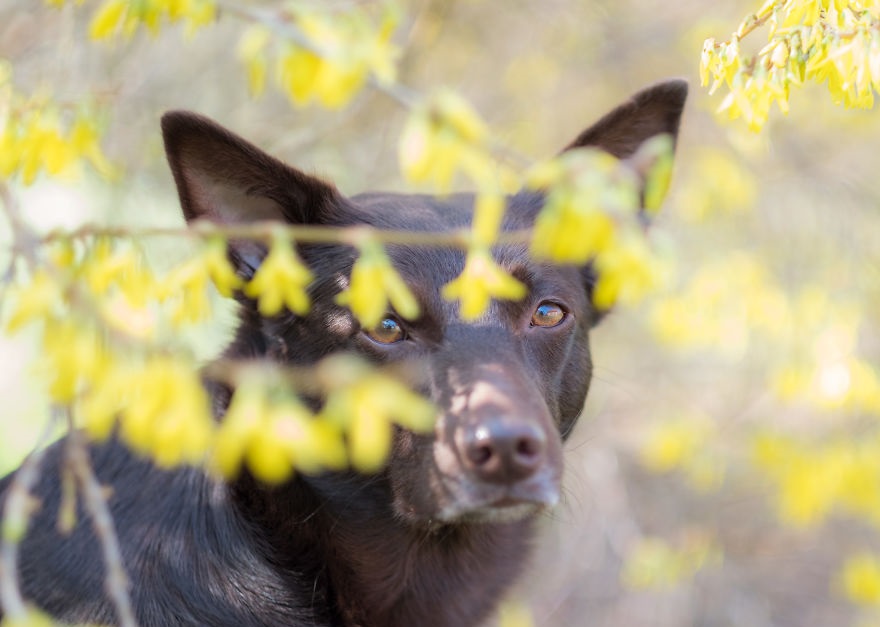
x,y
413,212
426,269
423,212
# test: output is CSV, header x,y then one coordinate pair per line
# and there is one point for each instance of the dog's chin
x,y
487,506
506,511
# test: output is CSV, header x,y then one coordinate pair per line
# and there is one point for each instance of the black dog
x,y
439,535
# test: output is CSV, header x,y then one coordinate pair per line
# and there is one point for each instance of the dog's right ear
x,y
223,178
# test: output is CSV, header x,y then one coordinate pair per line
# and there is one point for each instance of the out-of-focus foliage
x,y
726,469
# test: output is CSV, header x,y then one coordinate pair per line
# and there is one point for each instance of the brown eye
x,y
548,315
388,331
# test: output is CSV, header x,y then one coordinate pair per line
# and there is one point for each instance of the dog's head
x,y
509,387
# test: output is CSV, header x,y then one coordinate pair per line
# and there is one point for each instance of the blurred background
x,y
727,466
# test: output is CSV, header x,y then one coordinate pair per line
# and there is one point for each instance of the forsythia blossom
x,y
124,17
374,284
365,403
36,137
837,43
280,281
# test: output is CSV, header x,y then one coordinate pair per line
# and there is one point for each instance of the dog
x,y
438,535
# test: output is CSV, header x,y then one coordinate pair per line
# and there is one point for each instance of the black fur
x,y
435,538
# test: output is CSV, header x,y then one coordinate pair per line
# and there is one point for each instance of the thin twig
x,y
301,233
116,582
16,514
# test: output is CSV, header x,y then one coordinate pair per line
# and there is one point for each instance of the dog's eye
x,y
388,331
548,315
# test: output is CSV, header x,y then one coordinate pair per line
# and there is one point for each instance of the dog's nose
x,y
501,450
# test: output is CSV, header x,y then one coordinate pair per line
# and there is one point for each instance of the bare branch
x,y
116,583
16,512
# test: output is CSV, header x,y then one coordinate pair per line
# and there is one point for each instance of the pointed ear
x,y
653,111
223,178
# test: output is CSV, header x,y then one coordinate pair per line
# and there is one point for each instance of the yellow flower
x,y
32,616
657,154
187,285
280,281
569,232
107,19
515,614
652,563
40,298
84,142
75,356
364,402
126,16
626,272
585,190
374,284
860,579
169,415
9,151
673,443
108,265
481,280
488,213
219,269
251,51
335,65
298,69
441,136
274,436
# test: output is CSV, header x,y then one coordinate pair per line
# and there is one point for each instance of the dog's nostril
x,y
500,452
527,447
480,454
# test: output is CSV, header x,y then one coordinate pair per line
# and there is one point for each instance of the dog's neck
x,y
378,570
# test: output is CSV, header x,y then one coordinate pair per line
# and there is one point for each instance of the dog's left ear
x,y
227,180
656,110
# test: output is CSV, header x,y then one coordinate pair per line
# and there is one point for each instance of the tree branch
x,y
17,510
116,582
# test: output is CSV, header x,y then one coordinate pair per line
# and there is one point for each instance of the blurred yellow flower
x,y
585,190
488,213
672,443
627,271
653,563
35,137
107,18
441,136
74,356
373,285
39,298
365,403
123,16
343,51
481,280
515,614
273,433
280,281
860,579
252,52
168,416
219,268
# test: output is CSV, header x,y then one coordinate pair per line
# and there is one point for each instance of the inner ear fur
x,y
226,179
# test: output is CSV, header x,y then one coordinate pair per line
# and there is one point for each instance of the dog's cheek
x,y
575,383
413,478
